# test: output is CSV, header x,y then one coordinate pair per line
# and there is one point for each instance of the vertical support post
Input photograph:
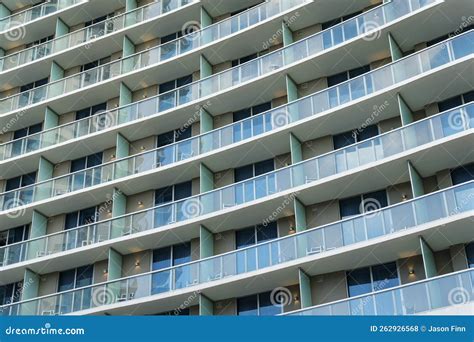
x,y
291,89
125,98
45,172
206,243
206,306
395,50
114,265
128,49
51,120
300,223
300,216
296,156
119,208
30,290
305,289
405,112
2,54
4,12
39,224
130,5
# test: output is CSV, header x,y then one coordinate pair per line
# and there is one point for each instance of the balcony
x,y
306,173
354,231
454,291
35,12
294,53
90,33
302,109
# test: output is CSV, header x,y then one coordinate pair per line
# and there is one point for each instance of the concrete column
x,y
2,53
416,181
45,172
206,179
125,98
51,120
305,289
291,89
130,5
56,74
4,11
114,266
39,224
206,20
114,271
395,50
119,208
300,216
458,257
30,290
205,67
122,150
206,306
405,112
206,243
296,157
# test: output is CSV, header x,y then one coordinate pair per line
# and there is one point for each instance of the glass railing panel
x,y
374,81
417,298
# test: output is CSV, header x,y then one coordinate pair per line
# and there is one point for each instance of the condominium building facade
x,y
198,157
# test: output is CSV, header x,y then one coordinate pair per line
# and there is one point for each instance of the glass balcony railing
x,y
329,164
333,97
411,299
89,33
398,217
217,82
35,12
